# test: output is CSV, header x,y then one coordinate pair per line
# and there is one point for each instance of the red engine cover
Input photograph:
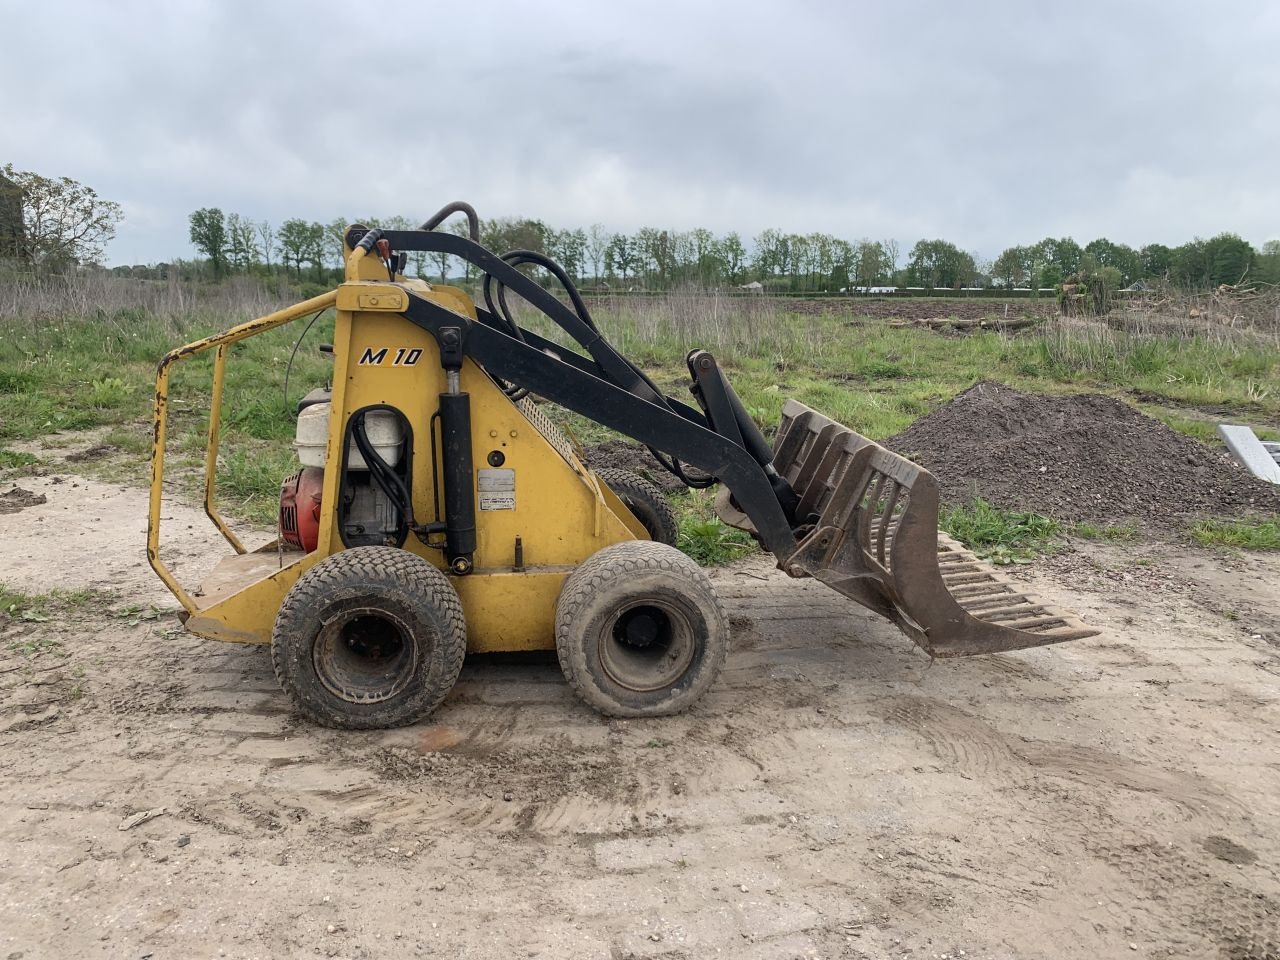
x,y
300,508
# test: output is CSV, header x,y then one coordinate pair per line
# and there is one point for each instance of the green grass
x,y
17,605
703,536
131,439
249,479
1001,536
135,613
878,379
710,542
111,393
1206,431
41,608
97,369
1247,534
13,459
1115,533
35,645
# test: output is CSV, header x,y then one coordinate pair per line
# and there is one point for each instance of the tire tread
x,y
374,565
626,484
593,576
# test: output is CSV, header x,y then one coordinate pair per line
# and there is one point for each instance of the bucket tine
x,y
872,522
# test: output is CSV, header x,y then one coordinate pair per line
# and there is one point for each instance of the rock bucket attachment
x,y
872,518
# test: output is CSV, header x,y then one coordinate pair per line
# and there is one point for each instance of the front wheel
x,y
640,631
370,637
645,501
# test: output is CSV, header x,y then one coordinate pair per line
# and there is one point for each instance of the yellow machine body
x,y
558,511
869,515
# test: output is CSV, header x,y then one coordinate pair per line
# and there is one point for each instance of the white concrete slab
x,y
1250,451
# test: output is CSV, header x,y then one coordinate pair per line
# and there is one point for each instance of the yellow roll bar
x,y
221,342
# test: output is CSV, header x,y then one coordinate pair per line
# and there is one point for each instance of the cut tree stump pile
x,y
969,323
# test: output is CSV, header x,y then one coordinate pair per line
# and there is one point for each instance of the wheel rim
x,y
647,645
365,655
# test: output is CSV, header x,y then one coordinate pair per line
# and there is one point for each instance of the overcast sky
x,y
985,123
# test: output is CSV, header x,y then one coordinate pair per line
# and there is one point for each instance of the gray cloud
x,y
988,123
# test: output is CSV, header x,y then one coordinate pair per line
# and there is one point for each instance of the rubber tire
x,y
609,579
397,581
645,501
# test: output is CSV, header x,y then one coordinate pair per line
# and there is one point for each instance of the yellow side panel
x,y
505,611
559,512
509,611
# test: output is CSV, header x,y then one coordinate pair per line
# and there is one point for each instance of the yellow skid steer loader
x,y
438,511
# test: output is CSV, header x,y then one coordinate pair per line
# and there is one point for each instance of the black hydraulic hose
x,y
293,353
510,389
518,257
369,239
505,313
383,475
547,304
489,262
448,210
391,483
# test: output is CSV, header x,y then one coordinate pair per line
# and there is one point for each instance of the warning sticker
x,y
497,489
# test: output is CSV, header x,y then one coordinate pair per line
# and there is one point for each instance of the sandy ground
x,y
835,796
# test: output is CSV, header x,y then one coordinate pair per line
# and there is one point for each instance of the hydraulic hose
x,y
448,210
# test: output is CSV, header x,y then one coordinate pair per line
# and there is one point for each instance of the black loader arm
x,y
828,502
605,387
600,400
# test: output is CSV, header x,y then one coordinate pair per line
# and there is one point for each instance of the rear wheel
x,y
369,637
645,501
640,631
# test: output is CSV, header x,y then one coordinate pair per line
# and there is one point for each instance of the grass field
x,y
77,359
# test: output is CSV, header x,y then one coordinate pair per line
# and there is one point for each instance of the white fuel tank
x,y
382,426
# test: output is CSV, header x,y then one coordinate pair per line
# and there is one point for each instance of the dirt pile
x,y
1084,458
628,455
15,499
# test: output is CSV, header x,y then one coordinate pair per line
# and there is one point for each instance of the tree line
x,y
658,259
53,224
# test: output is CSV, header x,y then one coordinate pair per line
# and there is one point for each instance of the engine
x,y
300,508
367,516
